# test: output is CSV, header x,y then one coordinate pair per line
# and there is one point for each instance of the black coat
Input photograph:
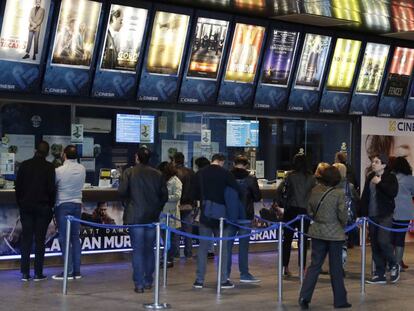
x,y
187,178
386,191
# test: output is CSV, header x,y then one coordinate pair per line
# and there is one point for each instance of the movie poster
x,y
345,58
23,30
167,44
207,48
279,58
312,62
244,53
124,38
76,33
400,72
372,69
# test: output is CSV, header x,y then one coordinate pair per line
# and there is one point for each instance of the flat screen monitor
x,y
242,133
132,128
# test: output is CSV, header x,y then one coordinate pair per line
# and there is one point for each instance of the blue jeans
x,y
143,265
63,210
203,250
187,216
243,249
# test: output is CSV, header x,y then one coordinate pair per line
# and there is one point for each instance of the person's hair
x,y
321,166
167,169
218,157
341,157
42,149
401,165
114,14
299,163
378,144
179,158
202,162
143,155
241,159
341,168
330,176
71,152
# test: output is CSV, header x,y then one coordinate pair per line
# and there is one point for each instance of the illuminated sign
x,y
23,30
124,38
207,48
244,53
76,33
343,65
400,72
372,69
279,58
312,62
348,10
167,43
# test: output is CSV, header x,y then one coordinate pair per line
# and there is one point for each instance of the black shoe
x,y
26,56
376,279
60,276
344,306
34,57
148,286
170,264
139,290
198,284
304,305
227,284
26,277
210,255
395,273
38,278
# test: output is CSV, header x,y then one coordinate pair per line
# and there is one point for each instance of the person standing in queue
x,y
35,196
145,191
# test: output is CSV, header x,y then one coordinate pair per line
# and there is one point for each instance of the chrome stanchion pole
x,y
66,263
220,263
302,247
280,263
363,254
164,277
156,305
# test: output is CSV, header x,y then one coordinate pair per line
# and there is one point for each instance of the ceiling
x,y
393,18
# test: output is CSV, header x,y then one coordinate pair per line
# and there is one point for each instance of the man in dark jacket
x,y
377,202
211,183
35,196
146,192
186,176
250,194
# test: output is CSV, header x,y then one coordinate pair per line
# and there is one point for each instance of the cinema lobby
x,y
256,82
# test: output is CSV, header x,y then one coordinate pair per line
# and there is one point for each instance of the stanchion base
x,y
159,306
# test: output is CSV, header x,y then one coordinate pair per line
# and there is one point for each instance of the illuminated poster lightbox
x,y
207,48
167,43
400,72
244,53
124,38
343,65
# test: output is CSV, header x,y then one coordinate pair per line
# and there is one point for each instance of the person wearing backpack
x,y
250,194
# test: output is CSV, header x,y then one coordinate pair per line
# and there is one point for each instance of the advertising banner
x,y
22,38
409,108
121,52
244,53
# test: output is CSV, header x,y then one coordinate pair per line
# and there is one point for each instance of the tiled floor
x,y
109,287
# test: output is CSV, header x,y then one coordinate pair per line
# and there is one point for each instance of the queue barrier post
x,y
66,260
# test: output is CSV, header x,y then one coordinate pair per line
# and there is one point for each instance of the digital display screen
x,y
312,62
372,68
279,58
167,44
131,128
207,48
242,133
244,53
23,30
76,33
343,65
400,72
124,38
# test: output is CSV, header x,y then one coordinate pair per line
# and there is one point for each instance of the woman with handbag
x,y
327,208
293,193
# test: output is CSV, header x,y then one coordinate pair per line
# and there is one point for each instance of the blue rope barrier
x,y
403,224
94,224
386,228
296,230
182,221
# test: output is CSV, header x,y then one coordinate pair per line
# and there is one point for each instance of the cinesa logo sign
x,y
402,126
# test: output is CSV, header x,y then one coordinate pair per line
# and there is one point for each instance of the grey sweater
x,y
404,207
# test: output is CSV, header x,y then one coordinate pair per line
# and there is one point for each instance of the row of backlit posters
x,y
23,37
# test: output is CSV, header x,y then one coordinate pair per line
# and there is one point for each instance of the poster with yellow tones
x,y
167,44
76,33
343,65
244,53
23,30
372,69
